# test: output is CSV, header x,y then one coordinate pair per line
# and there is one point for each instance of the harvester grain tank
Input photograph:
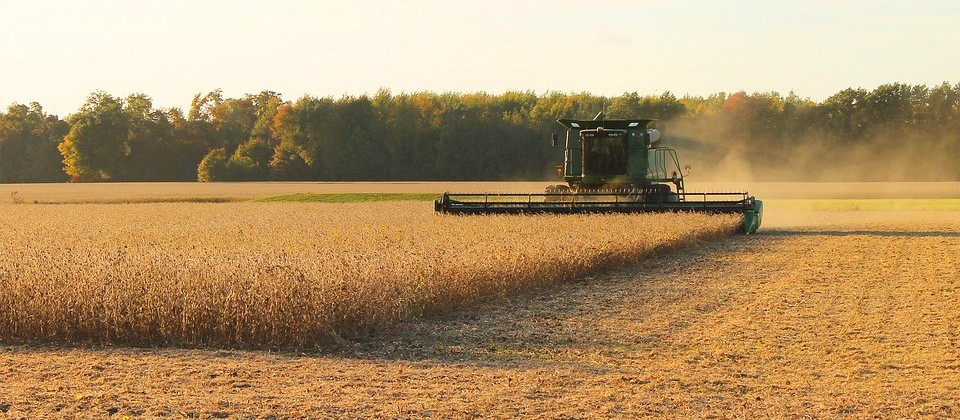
x,y
612,166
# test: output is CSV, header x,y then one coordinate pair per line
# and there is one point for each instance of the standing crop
x,y
288,275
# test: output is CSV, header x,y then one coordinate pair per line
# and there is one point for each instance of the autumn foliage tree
x,y
97,140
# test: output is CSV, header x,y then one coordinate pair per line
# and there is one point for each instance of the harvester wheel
x,y
556,189
565,190
659,194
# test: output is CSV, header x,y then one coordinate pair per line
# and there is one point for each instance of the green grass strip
x,y
347,197
908,204
140,200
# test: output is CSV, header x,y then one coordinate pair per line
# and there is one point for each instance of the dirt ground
x,y
815,316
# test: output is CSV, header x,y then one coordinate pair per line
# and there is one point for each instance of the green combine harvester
x,y
612,166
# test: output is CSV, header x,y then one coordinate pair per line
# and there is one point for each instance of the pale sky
x,y
56,53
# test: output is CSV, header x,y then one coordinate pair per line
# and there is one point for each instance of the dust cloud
x,y
718,156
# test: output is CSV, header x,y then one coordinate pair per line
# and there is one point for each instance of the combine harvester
x,y
612,166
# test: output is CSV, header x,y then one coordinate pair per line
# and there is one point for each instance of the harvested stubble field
x,y
288,275
821,314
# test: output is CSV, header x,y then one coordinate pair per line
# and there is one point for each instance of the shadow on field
x,y
881,233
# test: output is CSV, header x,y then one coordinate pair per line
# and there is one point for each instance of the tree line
x,y
894,132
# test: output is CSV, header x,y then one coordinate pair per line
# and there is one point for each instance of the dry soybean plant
x,y
281,275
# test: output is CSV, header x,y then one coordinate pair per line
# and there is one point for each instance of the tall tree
x,y
28,145
97,140
151,148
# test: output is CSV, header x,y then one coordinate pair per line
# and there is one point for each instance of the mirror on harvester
x,y
553,139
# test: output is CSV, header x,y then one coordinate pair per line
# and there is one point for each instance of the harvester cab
x,y
612,166
606,155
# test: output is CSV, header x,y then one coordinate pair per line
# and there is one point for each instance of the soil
x,y
813,316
